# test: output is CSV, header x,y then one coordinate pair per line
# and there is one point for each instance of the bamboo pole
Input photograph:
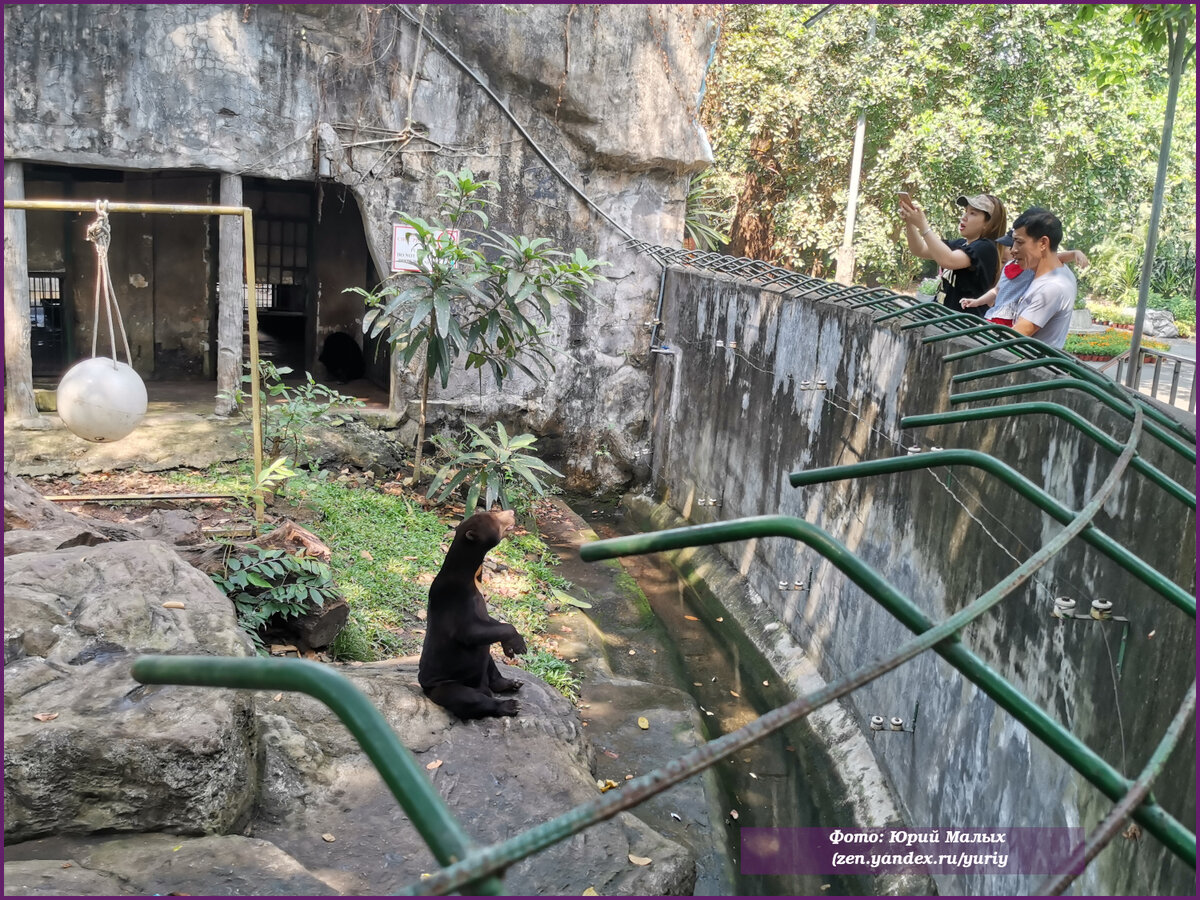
x,y
247,217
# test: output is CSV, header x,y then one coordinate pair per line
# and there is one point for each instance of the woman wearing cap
x,y
1000,303
970,263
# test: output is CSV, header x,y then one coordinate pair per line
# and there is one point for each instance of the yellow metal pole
x,y
248,240
255,403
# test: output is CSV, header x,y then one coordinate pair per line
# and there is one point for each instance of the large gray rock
x,y
1160,323
158,865
88,752
499,776
86,747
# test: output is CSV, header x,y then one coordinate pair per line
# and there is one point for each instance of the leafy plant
x,y
265,583
708,213
288,412
928,287
492,468
464,306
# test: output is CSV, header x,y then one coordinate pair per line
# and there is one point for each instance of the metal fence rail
x,y
477,869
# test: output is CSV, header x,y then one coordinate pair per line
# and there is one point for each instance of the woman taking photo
x,y
970,263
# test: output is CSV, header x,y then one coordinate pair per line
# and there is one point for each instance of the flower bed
x,y
1106,344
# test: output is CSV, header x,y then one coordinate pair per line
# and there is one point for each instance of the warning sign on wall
x,y
405,245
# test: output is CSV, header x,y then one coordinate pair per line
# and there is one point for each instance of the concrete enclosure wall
x,y
732,424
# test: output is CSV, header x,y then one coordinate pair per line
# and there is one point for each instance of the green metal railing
x,y
478,869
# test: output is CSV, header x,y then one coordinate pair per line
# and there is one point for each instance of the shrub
x,y
493,468
264,583
287,412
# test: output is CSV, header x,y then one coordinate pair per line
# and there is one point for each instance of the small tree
x,y
464,306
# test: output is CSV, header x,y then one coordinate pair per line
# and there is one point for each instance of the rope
x,y
100,234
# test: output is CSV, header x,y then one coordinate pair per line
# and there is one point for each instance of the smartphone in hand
x,y
904,198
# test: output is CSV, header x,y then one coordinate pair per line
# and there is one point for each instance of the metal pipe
x,y
400,772
247,216
1174,488
1111,826
1026,488
1187,452
1078,755
133,498
1086,373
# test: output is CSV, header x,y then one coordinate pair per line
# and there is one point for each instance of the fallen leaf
x,y
720,618
707,713
691,618
66,865
733,814
629,778
174,604
765,684
366,554
606,785
632,652
696,684
436,764
735,694
826,887
45,717
612,755
640,860
566,629
409,558
643,723
277,698
589,892
328,838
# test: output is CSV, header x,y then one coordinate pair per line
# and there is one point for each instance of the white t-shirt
x,y
1048,304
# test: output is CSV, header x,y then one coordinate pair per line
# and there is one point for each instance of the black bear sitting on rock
x,y
456,669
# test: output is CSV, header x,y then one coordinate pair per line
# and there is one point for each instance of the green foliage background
x,y
1033,103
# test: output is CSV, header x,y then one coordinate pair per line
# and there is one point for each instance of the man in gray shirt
x,y
1045,310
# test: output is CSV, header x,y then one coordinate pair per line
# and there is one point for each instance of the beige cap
x,y
981,202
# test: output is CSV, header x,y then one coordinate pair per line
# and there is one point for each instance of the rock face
x,y
256,779
554,103
114,755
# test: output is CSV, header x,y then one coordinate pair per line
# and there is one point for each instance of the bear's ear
x,y
470,535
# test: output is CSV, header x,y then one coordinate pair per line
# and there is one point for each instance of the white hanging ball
x,y
101,399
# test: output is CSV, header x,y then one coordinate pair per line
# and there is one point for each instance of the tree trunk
x,y
416,476
752,233
18,358
230,274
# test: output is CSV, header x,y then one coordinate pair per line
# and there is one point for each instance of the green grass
x,y
385,551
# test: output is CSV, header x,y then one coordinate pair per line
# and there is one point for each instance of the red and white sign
x,y
405,246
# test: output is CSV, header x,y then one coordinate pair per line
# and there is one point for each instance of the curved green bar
x,y
1105,397
1077,754
1174,488
1094,536
915,307
951,317
407,782
1087,374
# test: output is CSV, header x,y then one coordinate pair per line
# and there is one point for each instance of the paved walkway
x,y
1184,347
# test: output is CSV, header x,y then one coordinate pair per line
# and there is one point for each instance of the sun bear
x,y
456,669
342,357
